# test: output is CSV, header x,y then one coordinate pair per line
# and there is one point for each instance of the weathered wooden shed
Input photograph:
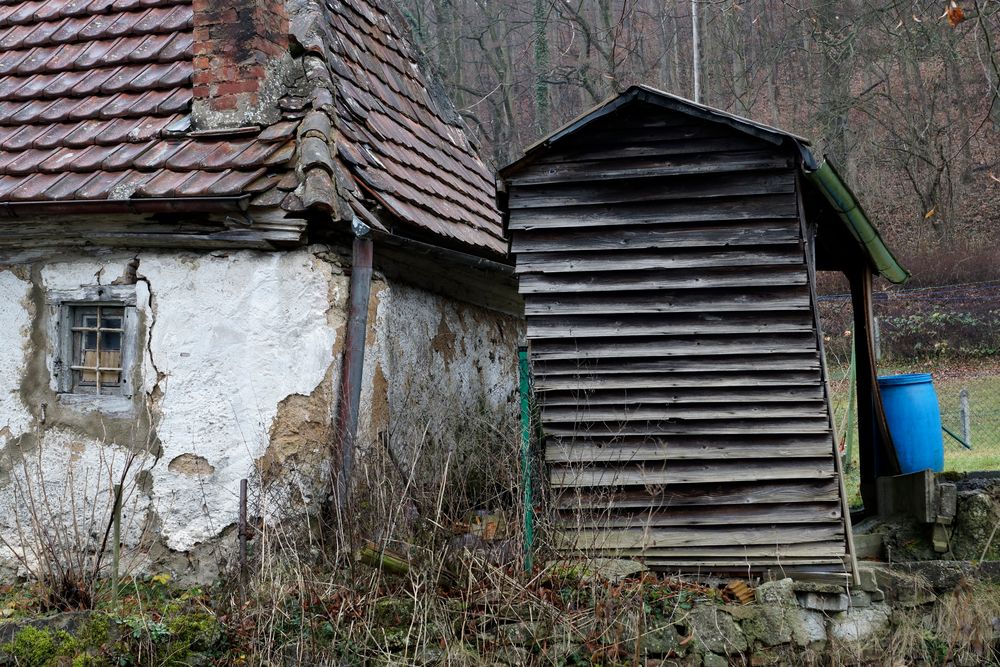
x,y
666,252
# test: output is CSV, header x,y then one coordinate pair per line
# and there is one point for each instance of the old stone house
x,y
190,194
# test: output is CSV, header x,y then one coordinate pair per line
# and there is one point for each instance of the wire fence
x,y
951,332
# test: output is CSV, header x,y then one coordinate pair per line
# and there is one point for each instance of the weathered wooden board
x,y
546,384
656,538
722,515
696,394
715,449
693,426
716,234
829,550
668,301
728,493
686,411
741,362
637,347
654,474
652,166
618,281
671,258
641,140
653,189
584,326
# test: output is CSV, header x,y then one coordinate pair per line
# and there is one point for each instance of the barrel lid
x,y
905,378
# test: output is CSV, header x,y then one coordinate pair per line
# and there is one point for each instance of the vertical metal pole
x,y
964,412
354,357
851,427
696,49
529,511
116,536
243,529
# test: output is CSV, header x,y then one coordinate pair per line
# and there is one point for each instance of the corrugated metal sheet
x,y
674,344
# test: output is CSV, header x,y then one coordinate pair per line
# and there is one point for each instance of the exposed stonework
x,y
301,433
191,464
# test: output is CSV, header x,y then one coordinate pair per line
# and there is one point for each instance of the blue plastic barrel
x,y
911,408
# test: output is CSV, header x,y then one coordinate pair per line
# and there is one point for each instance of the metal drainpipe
x,y
352,368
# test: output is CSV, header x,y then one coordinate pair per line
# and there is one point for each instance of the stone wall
x,y
237,358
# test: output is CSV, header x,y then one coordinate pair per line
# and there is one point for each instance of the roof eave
x,y
847,207
219,204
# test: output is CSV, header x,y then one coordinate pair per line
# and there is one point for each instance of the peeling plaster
x,y
268,338
15,317
237,370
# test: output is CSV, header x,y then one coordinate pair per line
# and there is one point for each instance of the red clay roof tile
x,y
90,88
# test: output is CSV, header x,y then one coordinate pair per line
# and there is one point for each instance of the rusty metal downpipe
x,y
352,367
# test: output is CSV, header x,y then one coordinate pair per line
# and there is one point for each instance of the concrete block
x,y
824,601
912,495
869,546
940,538
860,599
947,502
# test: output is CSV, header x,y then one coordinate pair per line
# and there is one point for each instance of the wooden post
x,y
116,534
876,455
861,285
963,409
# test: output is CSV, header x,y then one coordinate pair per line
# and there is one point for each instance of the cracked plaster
x,y
238,364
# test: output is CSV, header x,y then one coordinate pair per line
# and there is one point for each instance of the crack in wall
x,y
156,391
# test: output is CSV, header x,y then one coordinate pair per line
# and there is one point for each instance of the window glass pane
x,y
111,340
111,318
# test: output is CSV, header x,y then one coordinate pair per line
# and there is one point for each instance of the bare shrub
x,y
62,497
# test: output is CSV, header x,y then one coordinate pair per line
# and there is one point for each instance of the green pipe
x,y
529,512
960,441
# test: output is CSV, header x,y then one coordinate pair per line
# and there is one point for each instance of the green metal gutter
x,y
825,177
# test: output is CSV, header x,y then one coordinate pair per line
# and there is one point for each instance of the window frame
x,y
63,305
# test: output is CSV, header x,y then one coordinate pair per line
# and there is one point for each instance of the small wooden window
x,y
94,332
98,332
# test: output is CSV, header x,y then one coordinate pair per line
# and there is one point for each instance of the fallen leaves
x,y
954,14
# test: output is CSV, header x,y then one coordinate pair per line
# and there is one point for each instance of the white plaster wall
x,y
233,335
15,320
226,339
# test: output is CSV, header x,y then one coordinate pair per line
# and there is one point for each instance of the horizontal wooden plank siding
x,y
673,346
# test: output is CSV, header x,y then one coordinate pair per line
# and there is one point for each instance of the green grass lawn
x,y
981,377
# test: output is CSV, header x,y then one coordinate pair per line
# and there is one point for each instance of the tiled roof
x,y
94,98
95,104
404,146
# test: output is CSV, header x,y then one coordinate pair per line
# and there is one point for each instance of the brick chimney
x,y
240,58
